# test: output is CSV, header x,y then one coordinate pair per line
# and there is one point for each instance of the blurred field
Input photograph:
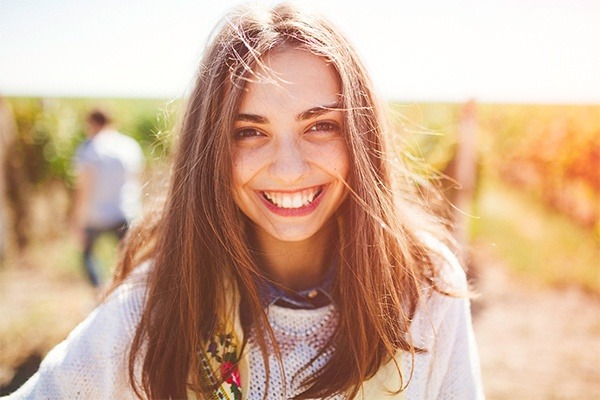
x,y
537,198
533,226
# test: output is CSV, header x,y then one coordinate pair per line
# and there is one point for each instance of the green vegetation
x,y
534,239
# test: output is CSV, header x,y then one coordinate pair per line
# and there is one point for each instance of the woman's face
x,y
289,155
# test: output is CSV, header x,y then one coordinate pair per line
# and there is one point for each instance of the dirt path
x,y
534,342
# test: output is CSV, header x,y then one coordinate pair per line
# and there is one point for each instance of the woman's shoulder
x,y
125,303
446,297
116,318
132,289
449,275
442,327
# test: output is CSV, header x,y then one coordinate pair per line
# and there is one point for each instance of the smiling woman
x,y
291,163
295,256
290,151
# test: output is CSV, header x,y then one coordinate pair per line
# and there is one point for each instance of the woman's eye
x,y
246,133
325,127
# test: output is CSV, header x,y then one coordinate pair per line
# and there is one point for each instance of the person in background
x,y
107,196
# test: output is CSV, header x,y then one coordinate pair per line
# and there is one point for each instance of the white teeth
x,y
297,201
292,200
287,202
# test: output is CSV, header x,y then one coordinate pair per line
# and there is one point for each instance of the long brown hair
x,y
199,242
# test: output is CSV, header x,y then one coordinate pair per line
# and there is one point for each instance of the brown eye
x,y
324,130
246,133
325,127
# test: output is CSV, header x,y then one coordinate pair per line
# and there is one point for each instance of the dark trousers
x,y
90,263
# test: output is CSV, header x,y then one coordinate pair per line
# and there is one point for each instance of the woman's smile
x,y
293,203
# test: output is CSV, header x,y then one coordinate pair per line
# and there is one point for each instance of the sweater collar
x,y
313,298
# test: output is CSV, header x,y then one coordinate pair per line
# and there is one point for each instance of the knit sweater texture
x,y
92,362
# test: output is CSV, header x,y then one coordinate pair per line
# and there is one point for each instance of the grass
x,y
536,241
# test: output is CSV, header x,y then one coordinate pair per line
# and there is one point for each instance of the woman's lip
x,y
315,187
294,212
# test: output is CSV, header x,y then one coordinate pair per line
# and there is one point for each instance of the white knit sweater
x,y
92,362
300,334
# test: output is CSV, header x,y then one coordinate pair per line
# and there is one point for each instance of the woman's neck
x,y
297,265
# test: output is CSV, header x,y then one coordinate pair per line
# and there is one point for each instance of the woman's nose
x,y
289,165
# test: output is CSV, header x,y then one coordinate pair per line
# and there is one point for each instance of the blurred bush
x,y
551,152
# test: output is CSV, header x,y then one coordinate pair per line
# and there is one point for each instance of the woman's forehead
x,y
292,76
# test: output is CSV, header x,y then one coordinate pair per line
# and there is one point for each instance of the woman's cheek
x,y
243,166
336,157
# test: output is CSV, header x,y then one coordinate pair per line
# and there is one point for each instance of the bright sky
x,y
427,50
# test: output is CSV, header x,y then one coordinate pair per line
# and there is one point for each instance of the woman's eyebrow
x,y
317,111
308,114
257,119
